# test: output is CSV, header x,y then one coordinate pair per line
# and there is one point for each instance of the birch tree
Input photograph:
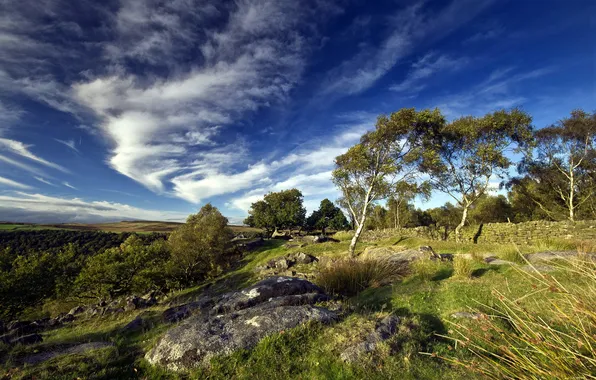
x,y
464,156
370,170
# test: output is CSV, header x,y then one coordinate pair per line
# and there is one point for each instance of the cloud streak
x,y
15,184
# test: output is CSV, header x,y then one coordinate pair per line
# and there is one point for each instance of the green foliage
x,y
327,216
200,248
130,268
385,157
281,210
463,156
348,277
462,267
560,178
491,209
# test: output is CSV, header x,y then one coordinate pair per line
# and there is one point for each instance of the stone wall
x,y
519,233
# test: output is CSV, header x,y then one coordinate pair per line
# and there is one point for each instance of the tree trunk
x,y
571,191
356,236
462,223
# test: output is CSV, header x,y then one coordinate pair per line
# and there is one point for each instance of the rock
x,y
134,325
427,249
391,254
133,302
65,318
276,286
239,320
385,329
21,327
466,315
305,258
541,268
178,313
280,235
446,256
3,328
282,264
77,349
550,255
77,310
491,260
197,340
27,339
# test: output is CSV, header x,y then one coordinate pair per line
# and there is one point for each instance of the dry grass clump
x,y
343,235
550,333
462,267
426,270
348,277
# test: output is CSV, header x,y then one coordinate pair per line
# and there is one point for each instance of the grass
x,y
425,297
348,277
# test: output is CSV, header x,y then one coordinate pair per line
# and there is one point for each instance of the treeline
x,y
87,242
96,266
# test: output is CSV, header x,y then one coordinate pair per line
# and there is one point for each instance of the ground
x,y
426,298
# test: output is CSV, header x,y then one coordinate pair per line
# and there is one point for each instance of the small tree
x,y
280,210
327,216
562,173
199,247
369,170
463,157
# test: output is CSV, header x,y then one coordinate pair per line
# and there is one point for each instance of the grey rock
x,y
77,349
550,255
466,315
77,310
541,268
178,313
282,264
305,258
65,318
495,261
427,249
135,325
276,286
21,327
196,340
27,339
385,329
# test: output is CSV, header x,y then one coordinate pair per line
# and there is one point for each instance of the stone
x,y
197,340
27,339
466,315
134,325
496,261
77,310
282,264
384,330
276,286
540,268
239,320
77,349
393,254
305,258
550,255
427,249
21,327
180,312
65,318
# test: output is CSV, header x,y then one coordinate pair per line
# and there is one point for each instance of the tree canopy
x,y
278,210
327,216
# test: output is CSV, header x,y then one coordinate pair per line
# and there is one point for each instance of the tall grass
x,y
549,333
348,277
462,267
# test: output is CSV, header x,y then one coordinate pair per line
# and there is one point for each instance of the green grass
x,y
426,298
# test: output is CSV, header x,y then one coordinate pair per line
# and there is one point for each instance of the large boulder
x,y
398,254
239,320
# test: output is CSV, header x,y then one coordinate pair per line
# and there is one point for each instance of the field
x,y
426,298
124,226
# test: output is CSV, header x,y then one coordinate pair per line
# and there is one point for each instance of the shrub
x,y
517,342
343,235
462,267
348,277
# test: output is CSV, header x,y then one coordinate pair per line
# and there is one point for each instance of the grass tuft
x,y
462,267
348,277
514,341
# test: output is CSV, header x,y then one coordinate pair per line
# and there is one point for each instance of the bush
x,y
517,342
343,235
349,277
462,267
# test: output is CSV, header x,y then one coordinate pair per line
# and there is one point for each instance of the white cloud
x,y
69,143
43,180
17,147
46,209
15,184
69,185
412,27
425,67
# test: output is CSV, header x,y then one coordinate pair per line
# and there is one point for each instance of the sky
x,y
143,109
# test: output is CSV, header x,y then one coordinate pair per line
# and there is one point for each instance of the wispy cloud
x,y
501,89
17,147
411,27
69,185
40,208
15,184
426,67
69,143
43,180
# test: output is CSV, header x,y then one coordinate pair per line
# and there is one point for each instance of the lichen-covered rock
x,y
180,312
385,329
393,254
239,320
197,340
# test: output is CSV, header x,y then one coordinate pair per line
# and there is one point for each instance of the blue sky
x,y
149,109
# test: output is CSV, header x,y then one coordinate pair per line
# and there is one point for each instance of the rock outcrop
x,y
239,320
385,329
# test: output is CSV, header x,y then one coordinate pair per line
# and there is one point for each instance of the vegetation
x,y
327,216
281,210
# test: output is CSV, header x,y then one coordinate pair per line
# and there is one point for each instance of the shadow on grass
x,y
482,271
443,274
401,239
